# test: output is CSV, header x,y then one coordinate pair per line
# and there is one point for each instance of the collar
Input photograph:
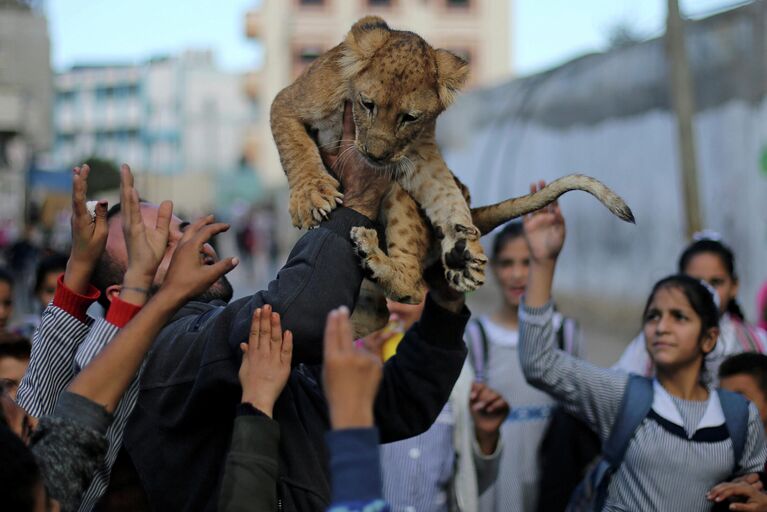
x,y
664,406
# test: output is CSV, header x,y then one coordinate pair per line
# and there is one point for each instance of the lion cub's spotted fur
x,y
397,85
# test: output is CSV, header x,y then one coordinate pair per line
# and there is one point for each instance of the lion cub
x,y
397,85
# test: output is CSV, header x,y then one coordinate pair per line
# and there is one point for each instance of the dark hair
x,y
15,346
56,262
727,258
5,276
747,363
697,294
511,231
19,473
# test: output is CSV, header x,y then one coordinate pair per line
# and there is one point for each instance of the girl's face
x,y
672,331
708,267
511,268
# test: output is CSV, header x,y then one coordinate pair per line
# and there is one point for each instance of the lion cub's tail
x,y
486,218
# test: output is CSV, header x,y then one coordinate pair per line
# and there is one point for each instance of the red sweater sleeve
x,y
74,303
121,312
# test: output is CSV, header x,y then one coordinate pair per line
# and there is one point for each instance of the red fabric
x,y
121,312
74,303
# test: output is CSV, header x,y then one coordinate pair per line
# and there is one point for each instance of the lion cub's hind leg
x,y
399,270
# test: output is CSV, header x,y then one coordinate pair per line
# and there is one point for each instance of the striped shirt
x,y
665,468
61,347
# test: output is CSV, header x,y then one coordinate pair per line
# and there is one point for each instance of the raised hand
x,y
488,410
544,230
350,375
266,359
89,234
189,274
146,246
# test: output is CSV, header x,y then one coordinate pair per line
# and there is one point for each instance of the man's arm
x,y
418,379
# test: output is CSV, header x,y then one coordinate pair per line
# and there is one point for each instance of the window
x,y
463,53
307,54
457,3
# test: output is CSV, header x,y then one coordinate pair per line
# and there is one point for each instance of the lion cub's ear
x,y
364,39
452,72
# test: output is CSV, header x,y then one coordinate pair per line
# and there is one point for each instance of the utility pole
x,y
683,102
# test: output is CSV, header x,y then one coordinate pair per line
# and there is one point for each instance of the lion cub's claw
x,y
465,261
312,201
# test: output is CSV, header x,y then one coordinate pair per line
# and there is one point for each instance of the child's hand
x,y
488,410
544,230
89,234
191,271
350,375
266,360
146,247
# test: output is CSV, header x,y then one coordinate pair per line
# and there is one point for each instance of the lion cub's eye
x,y
408,118
367,104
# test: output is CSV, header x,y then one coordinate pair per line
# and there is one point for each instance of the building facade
x,y
26,84
178,121
294,32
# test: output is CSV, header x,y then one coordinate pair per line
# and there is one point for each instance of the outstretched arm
x,y
589,392
64,324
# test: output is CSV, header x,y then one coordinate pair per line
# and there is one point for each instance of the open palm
x,y
146,246
545,230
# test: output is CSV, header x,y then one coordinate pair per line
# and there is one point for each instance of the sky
x,y
544,33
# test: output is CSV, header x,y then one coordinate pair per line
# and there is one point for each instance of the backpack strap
x,y
635,406
735,409
566,335
478,349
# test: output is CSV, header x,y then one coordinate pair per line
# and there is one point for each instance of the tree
x,y
104,176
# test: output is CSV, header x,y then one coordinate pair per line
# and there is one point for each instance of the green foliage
x,y
104,175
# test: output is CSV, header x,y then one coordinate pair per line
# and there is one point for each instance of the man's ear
x,y
452,72
708,343
113,291
363,40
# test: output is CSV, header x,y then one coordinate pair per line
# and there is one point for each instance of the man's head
x,y
746,374
48,271
111,268
15,351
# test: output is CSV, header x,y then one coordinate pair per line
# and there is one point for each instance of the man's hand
x,y
188,274
146,247
440,291
363,185
747,496
544,231
488,410
89,234
266,360
350,375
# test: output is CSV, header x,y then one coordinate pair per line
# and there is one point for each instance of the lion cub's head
x,y
399,85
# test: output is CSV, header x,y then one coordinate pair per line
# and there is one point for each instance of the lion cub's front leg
x,y
433,186
399,270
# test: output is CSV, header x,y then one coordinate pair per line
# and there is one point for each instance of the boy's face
x,y
747,386
6,304
48,287
11,372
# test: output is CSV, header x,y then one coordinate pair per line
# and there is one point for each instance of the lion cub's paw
x,y
464,261
311,201
365,241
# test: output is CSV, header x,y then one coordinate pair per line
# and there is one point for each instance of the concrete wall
x,y
608,116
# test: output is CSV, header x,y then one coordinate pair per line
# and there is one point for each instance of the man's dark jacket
x,y
179,433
